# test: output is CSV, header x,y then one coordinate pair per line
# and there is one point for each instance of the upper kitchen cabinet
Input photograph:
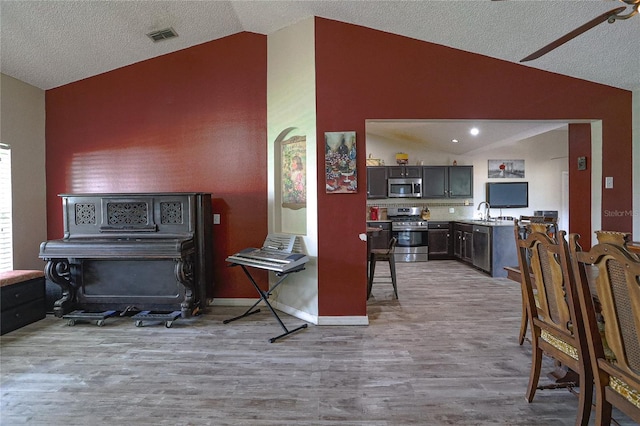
x,y
447,182
404,171
377,182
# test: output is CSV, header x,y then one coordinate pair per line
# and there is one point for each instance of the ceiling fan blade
x,y
581,29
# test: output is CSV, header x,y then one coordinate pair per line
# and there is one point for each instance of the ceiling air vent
x,y
160,35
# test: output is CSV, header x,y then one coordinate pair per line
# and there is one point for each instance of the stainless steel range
x,y
411,230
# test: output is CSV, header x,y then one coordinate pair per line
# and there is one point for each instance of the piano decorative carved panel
x,y
133,252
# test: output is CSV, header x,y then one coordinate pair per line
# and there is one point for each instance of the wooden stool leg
x,y
372,269
392,267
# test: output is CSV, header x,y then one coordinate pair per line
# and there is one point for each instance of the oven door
x,y
412,246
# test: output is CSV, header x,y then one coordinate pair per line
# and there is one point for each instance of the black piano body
x,y
132,252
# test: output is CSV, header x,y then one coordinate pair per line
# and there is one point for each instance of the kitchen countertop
x,y
486,222
467,221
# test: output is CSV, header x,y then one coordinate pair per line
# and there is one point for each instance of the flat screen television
x,y
508,195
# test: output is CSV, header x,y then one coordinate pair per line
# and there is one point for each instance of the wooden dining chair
x,y
524,224
556,320
608,276
386,255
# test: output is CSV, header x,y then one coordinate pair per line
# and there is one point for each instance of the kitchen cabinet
x,y
447,182
404,171
376,182
380,239
463,242
488,247
440,238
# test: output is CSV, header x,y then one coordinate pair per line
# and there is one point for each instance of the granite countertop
x,y
492,222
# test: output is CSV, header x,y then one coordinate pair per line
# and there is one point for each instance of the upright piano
x,y
132,252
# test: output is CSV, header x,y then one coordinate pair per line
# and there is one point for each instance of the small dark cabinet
x,y
447,182
405,172
463,242
440,238
380,239
21,303
376,182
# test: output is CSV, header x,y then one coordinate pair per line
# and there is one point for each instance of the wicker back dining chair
x,y
524,224
556,320
614,288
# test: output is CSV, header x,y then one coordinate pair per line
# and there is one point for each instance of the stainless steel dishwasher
x,y
481,256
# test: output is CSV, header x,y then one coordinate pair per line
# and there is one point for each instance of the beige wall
x,y
22,121
291,105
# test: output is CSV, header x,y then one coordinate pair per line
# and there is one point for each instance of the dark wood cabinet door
x,y
467,246
434,182
439,243
460,182
404,172
457,244
376,182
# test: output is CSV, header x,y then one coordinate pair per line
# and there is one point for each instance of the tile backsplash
x,y
441,210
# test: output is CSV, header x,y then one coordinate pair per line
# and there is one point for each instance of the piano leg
x,y
59,272
184,275
264,296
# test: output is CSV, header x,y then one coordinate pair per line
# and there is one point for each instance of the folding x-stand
x,y
264,296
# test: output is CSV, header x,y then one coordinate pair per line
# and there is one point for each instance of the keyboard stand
x,y
264,296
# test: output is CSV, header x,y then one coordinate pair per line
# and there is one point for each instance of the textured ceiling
x,y
437,134
51,43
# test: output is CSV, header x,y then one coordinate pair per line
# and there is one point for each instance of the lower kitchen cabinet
x,y
463,242
489,248
380,239
440,241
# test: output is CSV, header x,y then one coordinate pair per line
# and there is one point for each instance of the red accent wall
x,y
194,120
367,74
580,181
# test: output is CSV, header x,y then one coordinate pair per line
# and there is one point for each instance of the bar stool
x,y
383,255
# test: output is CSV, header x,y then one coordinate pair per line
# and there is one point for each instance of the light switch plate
x,y
608,182
582,163
216,219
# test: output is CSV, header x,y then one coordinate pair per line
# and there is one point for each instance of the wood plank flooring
x,y
445,353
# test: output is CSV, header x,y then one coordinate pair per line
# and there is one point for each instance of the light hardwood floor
x,y
445,353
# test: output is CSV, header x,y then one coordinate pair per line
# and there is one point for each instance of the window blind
x,y
6,238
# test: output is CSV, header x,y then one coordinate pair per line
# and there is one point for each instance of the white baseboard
x,y
345,320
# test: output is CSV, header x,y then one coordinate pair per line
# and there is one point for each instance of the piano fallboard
x,y
109,248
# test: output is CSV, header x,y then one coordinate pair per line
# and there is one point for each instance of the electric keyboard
x,y
274,257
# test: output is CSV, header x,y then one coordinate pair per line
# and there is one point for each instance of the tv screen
x,y
508,195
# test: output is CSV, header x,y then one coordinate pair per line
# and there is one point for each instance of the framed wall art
x,y
340,162
294,175
506,169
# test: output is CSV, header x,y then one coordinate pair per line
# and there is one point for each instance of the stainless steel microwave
x,y
404,188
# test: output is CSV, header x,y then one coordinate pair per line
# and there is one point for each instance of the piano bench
x,y
22,299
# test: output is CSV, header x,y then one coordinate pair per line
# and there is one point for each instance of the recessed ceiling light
x,y
474,131
454,140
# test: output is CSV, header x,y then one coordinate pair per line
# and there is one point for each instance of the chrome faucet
x,y
487,209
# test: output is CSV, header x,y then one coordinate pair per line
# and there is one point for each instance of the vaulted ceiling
x,y
51,43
